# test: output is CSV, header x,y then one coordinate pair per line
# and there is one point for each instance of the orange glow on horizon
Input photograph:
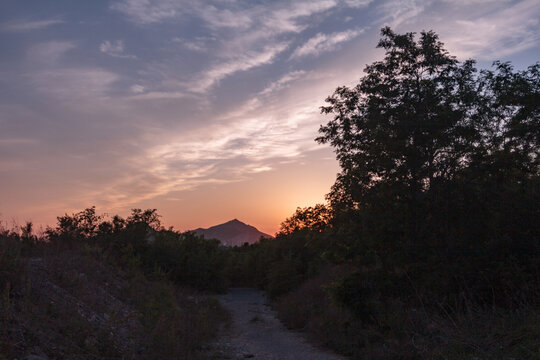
x,y
264,200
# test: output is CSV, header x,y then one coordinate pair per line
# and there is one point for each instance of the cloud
x,y
74,83
262,168
289,19
115,49
474,2
149,11
244,52
227,151
358,3
324,42
22,26
159,95
137,89
397,12
198,44
243,35
283,82
242,62
495,34
48,53
225,18
50,75
483,29
232,16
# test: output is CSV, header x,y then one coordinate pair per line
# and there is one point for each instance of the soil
x,y
255,332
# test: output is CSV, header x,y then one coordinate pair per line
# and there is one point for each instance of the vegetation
x,y
429,245
108,288
140,243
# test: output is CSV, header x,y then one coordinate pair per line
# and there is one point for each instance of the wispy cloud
x,y
225,18
52,75
115,49
495,34
324,42
224,154
149,11
137,89
243,35
358,3
28,25
157,95
475,2
484,29
230,153
75,83
283,82
397,12
243,52
243,62
250,142
199,43
232,16
289,19
49,52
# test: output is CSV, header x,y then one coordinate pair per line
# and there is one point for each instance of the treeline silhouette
x,y
140,242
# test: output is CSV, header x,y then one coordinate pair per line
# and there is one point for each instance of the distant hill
x,y
232,233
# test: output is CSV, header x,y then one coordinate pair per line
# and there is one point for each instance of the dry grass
x,y
75,305
405,331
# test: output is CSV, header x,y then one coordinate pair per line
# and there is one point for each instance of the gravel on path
x,y
256,333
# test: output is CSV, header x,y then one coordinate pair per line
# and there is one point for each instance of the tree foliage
x,y
419,117
139,242
316,218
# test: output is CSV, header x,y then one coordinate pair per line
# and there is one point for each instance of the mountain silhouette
x,y
232,233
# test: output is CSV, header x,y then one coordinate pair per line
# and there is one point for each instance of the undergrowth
x,y
407,330
81,302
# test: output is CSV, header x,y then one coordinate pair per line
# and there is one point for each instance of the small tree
x,y
78,227
315,218
149,217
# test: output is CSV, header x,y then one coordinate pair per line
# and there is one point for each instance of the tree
x,y
406,124
430,147
510,118
148,217
316,218
81,226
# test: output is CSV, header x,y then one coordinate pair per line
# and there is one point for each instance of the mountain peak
x,y
232,233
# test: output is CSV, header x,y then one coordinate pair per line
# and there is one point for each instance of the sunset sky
x,y
205,110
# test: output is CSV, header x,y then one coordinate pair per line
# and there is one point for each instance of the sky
x,y
204,110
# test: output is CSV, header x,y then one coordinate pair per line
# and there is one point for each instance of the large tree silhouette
x,y
419,117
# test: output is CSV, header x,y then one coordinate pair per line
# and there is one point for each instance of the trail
x,y
256,333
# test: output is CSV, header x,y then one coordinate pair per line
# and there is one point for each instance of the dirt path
x,y
256,333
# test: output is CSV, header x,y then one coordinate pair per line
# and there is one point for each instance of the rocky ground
x,y
254,332
78,306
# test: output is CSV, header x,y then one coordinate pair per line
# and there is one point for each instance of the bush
x,y
10,252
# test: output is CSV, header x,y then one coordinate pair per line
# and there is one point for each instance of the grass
x,y
79,304
404,330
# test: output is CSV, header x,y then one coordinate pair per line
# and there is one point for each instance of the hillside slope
x,y
74,305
